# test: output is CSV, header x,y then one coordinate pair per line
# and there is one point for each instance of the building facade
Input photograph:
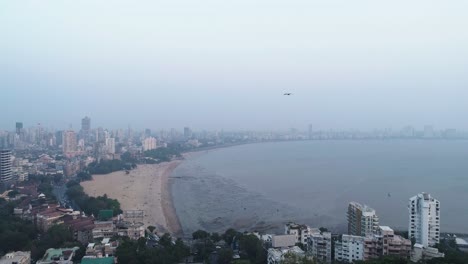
x,y
349,249
18,257
149,143
6,173
302,232
69,145
362,220
424,219
386,243
320,247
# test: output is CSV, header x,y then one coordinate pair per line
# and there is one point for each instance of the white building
x,y
149,143
69,144
282,241
362,220
110,145
424,219
320,246
349,249
276,256
302,232
19,257
420,252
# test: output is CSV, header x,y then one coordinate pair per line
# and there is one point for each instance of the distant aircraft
x,y
389,195
287,94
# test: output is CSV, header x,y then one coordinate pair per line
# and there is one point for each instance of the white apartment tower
x,y
6,174
110,145
362,220
349,249
69,142
149,143
424,219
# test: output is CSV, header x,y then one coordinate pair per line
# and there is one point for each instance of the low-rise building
x,y
58,256
103,229
283,241
302,232
384,243
18,257
81,227
108,260
276,256
132,230
47,217
419,252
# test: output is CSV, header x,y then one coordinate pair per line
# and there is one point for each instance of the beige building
x,y
362,220
149,143
386,243
69,142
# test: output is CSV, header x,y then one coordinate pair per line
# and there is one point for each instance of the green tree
x,y
252,247
291,258
225,256
200,234
215,237
230,234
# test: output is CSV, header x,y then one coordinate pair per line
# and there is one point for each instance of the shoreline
x,y
167,202
147,188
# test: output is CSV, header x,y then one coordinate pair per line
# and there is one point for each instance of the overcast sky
x,y
225,64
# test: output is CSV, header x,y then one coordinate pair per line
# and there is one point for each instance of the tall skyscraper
x,y
85,132
6,174
362,220
149,143
424,219
187,133
110,145
69,142
86,124
19,128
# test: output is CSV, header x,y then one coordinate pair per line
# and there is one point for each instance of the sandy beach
x,y
146,188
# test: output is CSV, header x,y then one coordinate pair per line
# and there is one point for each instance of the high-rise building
x,y
6,174
85,132
424,219
349,249
69,142
147,132
362,220
110,145
86,124
19,128
187,133
59,137
320,246
310,132
149,143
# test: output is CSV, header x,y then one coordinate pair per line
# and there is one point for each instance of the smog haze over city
x,y
233,132
225,65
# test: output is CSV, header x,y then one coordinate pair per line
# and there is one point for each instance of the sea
x,y
264,185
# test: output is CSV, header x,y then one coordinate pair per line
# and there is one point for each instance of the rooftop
x,y
57,253
386,228
109,260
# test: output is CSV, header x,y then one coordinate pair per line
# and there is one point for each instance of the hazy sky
x,y
225,64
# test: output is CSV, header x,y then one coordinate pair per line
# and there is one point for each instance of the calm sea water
x,y
264,185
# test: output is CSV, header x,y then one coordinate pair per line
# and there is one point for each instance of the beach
x,y
145,188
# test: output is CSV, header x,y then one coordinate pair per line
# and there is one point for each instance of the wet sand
x,y
145,188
